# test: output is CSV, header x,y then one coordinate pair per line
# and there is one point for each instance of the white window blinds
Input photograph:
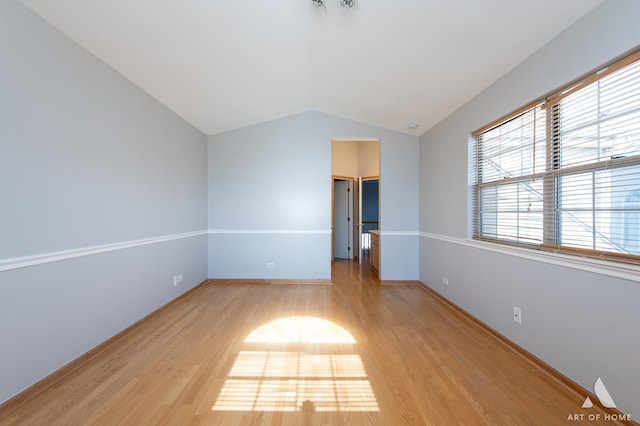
x,y
565,174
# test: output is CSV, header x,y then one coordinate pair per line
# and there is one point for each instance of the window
x,y
563,173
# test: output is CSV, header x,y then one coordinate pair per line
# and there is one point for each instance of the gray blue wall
x,y
270,198
580,317
103,199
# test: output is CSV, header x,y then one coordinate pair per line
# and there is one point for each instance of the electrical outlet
x,y
517,315
445,280
271,265
177,279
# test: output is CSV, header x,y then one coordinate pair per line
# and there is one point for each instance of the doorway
x,y
343,213
355,171
369,211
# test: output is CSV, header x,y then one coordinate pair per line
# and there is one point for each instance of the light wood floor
x,y
356,352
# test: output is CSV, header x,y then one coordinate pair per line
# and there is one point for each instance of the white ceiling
x,y
222,65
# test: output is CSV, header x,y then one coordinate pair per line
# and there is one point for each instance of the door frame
x,y
357,181
356,220
334,178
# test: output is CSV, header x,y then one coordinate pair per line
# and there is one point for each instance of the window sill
x,y
596,266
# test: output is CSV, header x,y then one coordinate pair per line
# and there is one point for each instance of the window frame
x,y
553,170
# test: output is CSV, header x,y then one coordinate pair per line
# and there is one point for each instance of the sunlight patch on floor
x,y
300,330
316,370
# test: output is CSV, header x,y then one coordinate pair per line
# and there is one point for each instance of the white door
x,y
343,229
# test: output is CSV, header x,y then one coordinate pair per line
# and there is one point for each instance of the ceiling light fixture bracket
x,y
345,4
320,4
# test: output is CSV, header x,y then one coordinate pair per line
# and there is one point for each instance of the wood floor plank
x,y
355,352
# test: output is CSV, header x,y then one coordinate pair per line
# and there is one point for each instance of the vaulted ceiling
x,y
223,65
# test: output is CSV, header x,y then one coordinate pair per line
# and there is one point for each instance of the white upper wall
x,y
353,158
368,158
344,158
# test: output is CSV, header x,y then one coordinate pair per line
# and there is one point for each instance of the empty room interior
x,y
319,212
